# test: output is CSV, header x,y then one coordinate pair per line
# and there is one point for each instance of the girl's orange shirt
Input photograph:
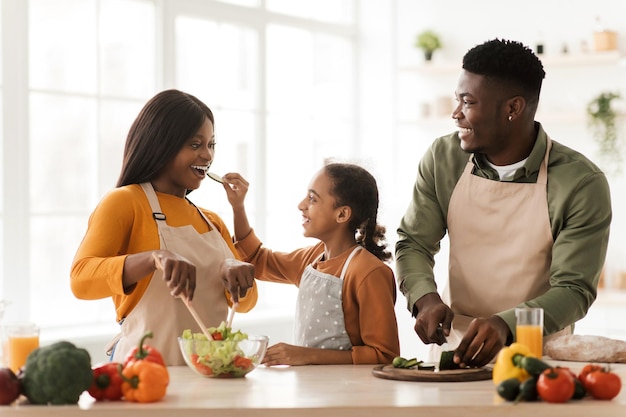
x,y
368,296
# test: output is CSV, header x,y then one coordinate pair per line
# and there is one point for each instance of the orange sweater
x,y
368,297
122,224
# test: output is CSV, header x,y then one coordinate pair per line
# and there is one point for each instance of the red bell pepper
x,y
144,352
107,383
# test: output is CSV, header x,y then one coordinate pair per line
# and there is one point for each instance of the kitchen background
x,y
291,84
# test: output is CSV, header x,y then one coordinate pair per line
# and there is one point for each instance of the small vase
x,y
428,55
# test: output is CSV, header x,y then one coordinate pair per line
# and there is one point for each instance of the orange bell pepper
x,y
144,381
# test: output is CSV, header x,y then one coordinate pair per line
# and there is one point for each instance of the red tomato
x,y
217,336
556,385
202,368
568,370
603,384
587,369
242,362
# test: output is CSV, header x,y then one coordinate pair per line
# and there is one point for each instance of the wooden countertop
x,y
333,390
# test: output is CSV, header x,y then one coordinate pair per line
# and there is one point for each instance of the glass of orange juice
x,y
529,329
19,340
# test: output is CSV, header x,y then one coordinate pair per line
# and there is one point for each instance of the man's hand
x,y
433,319
482,342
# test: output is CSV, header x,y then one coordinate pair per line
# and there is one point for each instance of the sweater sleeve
x,y
281,267
421,229
372,306
99,261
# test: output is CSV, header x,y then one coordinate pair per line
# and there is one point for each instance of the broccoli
x,y
57,374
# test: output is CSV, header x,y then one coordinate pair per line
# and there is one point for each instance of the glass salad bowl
x,y
229,355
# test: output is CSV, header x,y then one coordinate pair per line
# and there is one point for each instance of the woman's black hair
x,y
507,61
355,187
158,133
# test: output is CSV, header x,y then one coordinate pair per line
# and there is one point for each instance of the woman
x,y
148,220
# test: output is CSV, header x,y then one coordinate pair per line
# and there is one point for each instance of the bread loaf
x,y
586,348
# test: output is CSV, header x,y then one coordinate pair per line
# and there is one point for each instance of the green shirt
x,y
579,205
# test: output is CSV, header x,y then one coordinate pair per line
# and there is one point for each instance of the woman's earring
x,y
510,118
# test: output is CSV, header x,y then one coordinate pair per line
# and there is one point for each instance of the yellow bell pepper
x,y
505,367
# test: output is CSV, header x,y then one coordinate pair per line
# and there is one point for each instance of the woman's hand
x,y
237,277
179,273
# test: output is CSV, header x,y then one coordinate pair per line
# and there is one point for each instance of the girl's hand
x,y
179,274
285,354
236,188
237,277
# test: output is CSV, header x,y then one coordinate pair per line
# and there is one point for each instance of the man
x,y
527,218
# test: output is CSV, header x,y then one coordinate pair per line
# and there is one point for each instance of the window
x,y
82,93
280,80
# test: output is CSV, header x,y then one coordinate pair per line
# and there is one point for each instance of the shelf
x,y
543,116
609,58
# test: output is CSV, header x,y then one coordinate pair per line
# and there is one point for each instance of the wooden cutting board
x,y
455,375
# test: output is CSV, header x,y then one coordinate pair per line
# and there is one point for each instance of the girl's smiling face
x,y
187,170
318,208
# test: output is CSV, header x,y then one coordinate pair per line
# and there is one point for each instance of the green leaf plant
x,y
604,123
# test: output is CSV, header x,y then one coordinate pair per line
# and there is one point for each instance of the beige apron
x,y
500,247
319,321
165,315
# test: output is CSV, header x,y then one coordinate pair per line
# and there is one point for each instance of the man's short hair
x,y
507,61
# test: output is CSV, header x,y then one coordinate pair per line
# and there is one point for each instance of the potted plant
x,y
604,121
428,41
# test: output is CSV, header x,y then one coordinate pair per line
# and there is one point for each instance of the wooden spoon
x,y
231,315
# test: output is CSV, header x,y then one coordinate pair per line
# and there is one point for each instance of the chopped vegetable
x,y
446,362
222,357
400,362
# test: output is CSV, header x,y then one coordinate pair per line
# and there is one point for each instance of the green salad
x,y
221,357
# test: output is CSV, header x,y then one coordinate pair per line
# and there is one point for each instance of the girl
x,y
168,151
346,293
